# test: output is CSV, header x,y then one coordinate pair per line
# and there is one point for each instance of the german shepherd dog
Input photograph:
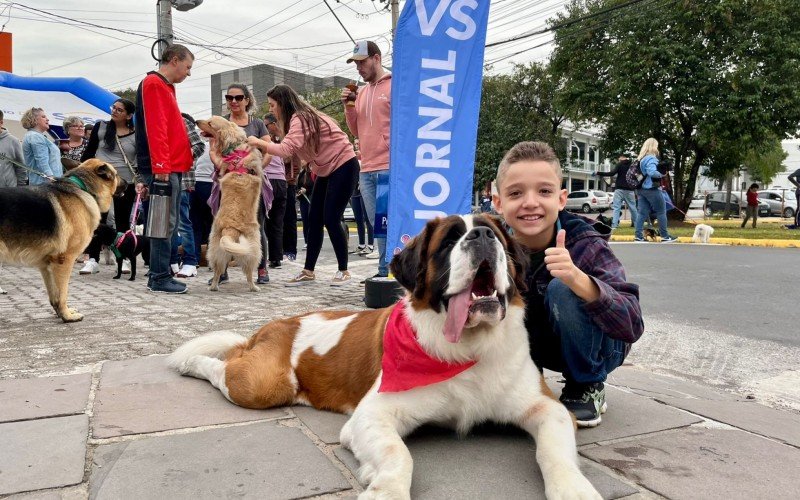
x,y
49,226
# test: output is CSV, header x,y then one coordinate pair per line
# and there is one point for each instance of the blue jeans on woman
x,y
651,201
571,343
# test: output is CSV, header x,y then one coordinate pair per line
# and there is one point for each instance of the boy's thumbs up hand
x,y
559,262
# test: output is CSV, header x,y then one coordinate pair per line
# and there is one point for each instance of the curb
x,y
766,243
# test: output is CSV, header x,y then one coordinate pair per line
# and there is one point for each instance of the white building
x,y
584,157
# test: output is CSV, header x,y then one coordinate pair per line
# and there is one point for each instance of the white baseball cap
x,y
364,49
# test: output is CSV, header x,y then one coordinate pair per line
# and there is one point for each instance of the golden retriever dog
x,y
48,226
235,230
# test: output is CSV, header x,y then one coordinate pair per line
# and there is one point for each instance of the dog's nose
x,y
480,232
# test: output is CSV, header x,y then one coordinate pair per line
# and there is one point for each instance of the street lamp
x,y
184,5
164,17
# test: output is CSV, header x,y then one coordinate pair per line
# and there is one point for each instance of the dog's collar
x,y
78,182
118,241
405,364
236,160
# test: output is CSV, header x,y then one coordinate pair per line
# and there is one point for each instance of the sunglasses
x,y
237,98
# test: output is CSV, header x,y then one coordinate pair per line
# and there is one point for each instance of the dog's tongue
x,y
457,311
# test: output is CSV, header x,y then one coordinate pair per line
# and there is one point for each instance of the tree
x,y
129,93
762,163
698,75
521,106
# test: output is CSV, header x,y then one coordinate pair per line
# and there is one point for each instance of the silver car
x,y
588,201
778,205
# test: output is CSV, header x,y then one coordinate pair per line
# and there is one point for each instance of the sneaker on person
x,y
366,250
372,255
82,258
91,267
222,279
187,271
669,239
305,247
274,263
340,278
639,240
126,266
263,277
175,268
586,401
290,256
358,249
168,285
302,278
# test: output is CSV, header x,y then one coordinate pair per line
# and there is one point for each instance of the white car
x,y
778,205
697,201
588,201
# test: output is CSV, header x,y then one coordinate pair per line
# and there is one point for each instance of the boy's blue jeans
x,y
572,344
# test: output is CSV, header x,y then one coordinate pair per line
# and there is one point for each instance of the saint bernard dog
x,y
453,352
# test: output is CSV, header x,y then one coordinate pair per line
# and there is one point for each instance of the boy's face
x,y
529,200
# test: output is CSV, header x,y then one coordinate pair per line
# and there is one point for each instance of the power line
x,y
339,21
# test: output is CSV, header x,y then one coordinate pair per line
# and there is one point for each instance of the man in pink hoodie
x,y
368,120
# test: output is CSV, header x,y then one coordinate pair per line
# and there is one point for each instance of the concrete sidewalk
x,y
134,429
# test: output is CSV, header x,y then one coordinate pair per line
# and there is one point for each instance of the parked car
x,y
697,201
715,204
778,205
588,201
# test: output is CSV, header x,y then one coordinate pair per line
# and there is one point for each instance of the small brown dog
x,y
235,231
649,234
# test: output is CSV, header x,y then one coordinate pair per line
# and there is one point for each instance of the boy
x,y
581,314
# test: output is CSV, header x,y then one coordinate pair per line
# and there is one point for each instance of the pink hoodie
x,y
369,121
334,146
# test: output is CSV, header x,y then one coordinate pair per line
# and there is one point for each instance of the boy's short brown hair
x,y
528,151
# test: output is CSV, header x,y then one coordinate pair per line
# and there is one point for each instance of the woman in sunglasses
x,y
241,104
114,142
315,138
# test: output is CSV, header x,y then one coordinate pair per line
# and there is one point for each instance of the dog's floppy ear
x,y
106,171
411,264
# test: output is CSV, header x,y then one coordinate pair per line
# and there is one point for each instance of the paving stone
x,y
325,425
491,462
706,463
47,453
648,384
144,395
262,460
629,415
23,399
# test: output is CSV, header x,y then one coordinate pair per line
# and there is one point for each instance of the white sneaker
x,y
340,278
305,247
91,267
175,268
187,271
126,266
372,255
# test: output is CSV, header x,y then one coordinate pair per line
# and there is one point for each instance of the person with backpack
x,y
623,191
649,194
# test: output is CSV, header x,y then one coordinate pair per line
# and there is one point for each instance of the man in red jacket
x,y
163,152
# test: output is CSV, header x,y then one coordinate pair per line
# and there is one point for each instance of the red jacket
x,y
752,198
162,143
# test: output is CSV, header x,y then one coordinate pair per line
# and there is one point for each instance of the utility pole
x,y
395,15
165,36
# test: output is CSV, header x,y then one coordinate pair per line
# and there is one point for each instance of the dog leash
x,y
25,167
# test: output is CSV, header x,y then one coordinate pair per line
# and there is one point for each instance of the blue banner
x,y
437,71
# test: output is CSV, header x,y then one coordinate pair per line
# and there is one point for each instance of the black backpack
x,y
634,176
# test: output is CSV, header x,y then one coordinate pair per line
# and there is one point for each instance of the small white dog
x,y
702,233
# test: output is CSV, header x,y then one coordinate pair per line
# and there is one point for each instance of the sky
x,y
108,41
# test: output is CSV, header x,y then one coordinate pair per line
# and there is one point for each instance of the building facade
x,y
262,77
583,157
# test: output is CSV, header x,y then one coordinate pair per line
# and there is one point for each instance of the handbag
x,y
128,163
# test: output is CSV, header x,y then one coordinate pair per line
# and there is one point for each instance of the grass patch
x,y
726,229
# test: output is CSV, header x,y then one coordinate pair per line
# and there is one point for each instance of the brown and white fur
x,y
332,360
235,230
49,226
702,233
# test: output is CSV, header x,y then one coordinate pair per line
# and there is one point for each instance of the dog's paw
x,y
571,486
71,316
384,492
213,288
254,288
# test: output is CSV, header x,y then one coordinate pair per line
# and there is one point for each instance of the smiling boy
x,y
581,314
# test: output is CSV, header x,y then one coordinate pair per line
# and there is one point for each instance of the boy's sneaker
x,y
358,249
301,279
167,286
222,279
586,402
263,277
340,278
669,239
126,266
639,240
91,267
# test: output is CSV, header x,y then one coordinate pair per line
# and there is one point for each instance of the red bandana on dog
x,y
235,159
405,364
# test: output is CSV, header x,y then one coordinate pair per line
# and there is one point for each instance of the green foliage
x,y
129,93
700,76
329,103
522,106
765,161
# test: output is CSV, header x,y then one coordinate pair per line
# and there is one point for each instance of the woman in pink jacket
x,y
315,138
